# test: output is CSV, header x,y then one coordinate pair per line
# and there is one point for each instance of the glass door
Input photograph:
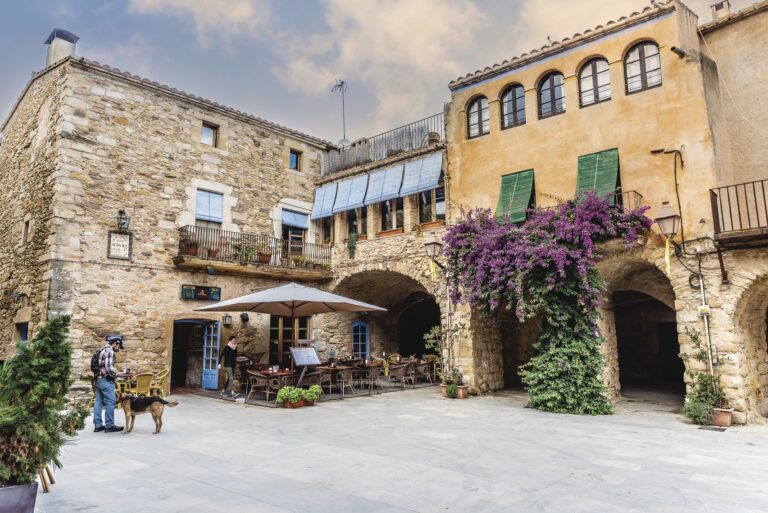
x,y
281,337
360,342
211,341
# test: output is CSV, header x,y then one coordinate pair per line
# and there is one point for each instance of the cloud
x,y
398,49
136,55
224,19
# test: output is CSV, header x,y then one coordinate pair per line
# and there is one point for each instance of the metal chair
x,y
141,384
423,370
256,380
344,379
401,374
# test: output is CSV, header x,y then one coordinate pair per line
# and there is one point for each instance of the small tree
x,y
705,391
36,417
438,339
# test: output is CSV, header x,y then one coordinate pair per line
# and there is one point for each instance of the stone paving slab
x,y
411,452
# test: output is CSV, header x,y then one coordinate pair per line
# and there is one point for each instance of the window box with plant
x,y
264,253
36,415
189,247
294,397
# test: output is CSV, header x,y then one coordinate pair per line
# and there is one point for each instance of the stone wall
x,y
27,172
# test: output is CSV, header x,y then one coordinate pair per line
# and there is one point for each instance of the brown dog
x,y
133,406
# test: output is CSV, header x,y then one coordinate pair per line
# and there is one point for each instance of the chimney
x,y
721,10
61,44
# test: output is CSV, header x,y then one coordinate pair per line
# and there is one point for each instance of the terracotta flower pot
x,y
444,390
18,499
297,404
722,417
462,391
264,258
191,250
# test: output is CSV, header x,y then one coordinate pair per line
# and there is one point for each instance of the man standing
x,y
229,355
104,386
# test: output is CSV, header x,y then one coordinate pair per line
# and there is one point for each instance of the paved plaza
x,y
412,452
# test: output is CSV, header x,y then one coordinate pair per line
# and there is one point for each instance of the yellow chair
x,y
141,384
160,383
394,357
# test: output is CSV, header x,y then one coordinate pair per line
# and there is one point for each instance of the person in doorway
x,y
104,386
229,355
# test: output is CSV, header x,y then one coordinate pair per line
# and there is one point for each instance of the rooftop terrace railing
x,y
405,138
740,208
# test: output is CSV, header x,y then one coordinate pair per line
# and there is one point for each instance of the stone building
x,y
654,108
127,204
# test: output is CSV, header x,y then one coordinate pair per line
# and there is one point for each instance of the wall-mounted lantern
x,y
123,221
668,220
244,317
226,320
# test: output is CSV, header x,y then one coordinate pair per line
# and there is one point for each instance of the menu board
x,y
304,356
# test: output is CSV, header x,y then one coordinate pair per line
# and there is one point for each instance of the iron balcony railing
x,y
628,200
213,244
741,207
405,138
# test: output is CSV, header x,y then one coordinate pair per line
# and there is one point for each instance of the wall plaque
x,y
119,245
201,293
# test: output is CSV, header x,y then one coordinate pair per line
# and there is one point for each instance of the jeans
x,y
105,396
230,383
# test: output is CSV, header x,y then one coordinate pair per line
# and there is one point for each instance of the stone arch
x,y
632,277
751,326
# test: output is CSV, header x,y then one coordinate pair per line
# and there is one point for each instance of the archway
x,y
640,327
517,339
751,321
411,312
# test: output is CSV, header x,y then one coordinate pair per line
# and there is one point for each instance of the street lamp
x,y
123,221
434,248
668,221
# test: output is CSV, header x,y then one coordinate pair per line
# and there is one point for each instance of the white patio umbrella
x,y
291,300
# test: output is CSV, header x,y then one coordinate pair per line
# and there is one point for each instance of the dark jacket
x,y
228,355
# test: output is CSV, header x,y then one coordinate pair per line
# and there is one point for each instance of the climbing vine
x,y
546,266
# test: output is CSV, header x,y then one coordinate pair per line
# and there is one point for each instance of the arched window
x,y
594,82
551,95
513,106
478,122
642,67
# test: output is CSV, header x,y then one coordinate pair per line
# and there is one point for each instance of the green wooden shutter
x,y
599,172
515,195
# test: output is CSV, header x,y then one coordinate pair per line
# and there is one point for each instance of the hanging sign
x,y
201,293
119,246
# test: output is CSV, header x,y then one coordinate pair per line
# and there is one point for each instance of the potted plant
x,y
244,252
312,394
36,416
264,253
191,247
451,380
705,402
299,261
324,266
213,252
294,397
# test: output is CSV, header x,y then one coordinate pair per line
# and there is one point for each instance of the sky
x,y
279,59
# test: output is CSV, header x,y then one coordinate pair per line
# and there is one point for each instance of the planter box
x,y
722,417
18,499
301,403
190,250
432,225
264,258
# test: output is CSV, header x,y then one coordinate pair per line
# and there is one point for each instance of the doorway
x,y
420,316
281,336
195,352
648,349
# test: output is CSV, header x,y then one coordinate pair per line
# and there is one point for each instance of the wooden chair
x,y
256,380
141,384
45,484
159,383
394,357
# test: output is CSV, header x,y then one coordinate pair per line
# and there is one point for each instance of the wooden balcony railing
x,y
740,211
213,244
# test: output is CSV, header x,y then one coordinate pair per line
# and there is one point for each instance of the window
x,y
357,221
642,67
25,232
516,196
478,122
326,230
551,95
391,214
281,337
294,160
293,239
599,172
360,347
513,106
209,134
594,82
209,209
22,331
432,205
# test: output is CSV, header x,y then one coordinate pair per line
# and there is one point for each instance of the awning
x,y
515,196
351,193
384,184
422,174
324,199
295,219
599,172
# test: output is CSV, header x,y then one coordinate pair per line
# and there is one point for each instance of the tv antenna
x,y
341,85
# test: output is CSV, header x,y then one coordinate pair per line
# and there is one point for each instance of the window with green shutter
x,y
516,196
599,172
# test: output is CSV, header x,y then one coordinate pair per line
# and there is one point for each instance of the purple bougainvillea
x,y
546,265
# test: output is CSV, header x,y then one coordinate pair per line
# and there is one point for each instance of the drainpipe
x,y
704,312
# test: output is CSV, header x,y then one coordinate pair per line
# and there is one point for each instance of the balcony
x,y
740,213
206,249
412,136
628,200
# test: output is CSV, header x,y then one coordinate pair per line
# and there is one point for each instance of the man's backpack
x,y
96,363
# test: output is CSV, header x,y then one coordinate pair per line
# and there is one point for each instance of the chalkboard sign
x,y
304,356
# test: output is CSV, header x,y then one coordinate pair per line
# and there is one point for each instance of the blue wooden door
x,y
211,355
360,342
